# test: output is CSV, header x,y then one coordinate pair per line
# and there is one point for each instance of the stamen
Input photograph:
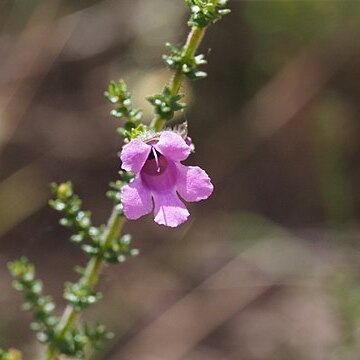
x,y
156,160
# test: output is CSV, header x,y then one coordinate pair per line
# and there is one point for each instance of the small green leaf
x,y
42,306
80,296
118,94
166,104
206,12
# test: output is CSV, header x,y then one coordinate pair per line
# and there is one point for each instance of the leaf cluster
x,y
179,61
75,341
42,306
120,250
206,12
119,95
80,296
89,236
117,252
166,103
69,204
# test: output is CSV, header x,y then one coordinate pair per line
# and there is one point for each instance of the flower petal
x,y
134,154
169,209
136,199
172,146
193,183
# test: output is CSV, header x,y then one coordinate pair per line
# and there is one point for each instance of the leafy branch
x,y
42,306
183,60
118,95
104,245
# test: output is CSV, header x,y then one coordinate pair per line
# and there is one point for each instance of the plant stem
x,y
192,43
90,278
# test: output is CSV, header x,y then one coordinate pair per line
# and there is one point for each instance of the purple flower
x,y
161,176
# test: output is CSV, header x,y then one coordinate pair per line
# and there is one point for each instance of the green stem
x,y
90,278
192,43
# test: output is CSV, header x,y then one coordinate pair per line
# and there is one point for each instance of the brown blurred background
x,y
268,267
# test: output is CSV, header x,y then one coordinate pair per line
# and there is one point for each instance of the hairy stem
x,y
192,43
90,278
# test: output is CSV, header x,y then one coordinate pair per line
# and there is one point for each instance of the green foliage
x,y
97,335
42,306
184,61
166,103
206,12
118,94
179,61
132,133
120,250
70,205
76,341
80,295
73,344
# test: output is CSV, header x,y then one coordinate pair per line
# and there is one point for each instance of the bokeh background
x,y
268,267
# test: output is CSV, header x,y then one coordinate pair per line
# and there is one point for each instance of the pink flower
x,y
161,176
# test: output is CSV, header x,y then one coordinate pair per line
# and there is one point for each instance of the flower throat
x,y
155,164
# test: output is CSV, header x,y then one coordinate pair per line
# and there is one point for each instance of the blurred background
x,y
268,267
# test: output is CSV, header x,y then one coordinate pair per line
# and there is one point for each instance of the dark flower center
x,y
155,164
